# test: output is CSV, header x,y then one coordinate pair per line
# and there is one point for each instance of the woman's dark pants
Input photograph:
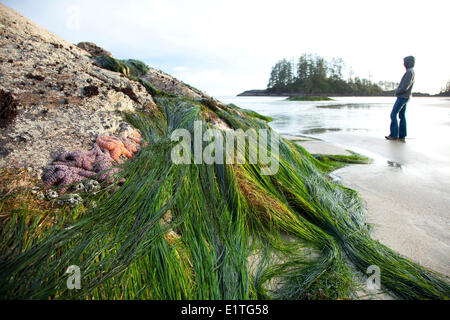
x,y
399,109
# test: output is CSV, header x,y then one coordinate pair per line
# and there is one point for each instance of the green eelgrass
x,y
330,163
130,67
301,227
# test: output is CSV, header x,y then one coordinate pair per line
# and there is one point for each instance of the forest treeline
x,y
312,74
445,91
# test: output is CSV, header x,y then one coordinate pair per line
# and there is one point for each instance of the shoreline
x,y
262,93
154,227
409,224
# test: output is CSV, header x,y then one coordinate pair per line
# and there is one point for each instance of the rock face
x,y
62,100
93,49
55,98
8,108
165,82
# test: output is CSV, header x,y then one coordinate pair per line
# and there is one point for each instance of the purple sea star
x,y
80,159
103,163
64,176
98,163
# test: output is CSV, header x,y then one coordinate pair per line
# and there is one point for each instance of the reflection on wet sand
x,y
394,164
352,106
320,130
314,131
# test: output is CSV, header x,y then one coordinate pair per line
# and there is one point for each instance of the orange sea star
x,y
136,137
130,144
114,145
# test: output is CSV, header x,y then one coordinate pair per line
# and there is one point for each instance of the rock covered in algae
x,y
72,200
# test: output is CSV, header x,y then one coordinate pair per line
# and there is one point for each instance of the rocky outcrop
x,y
165,82
63,101
56,97
93,49
8,108
255,92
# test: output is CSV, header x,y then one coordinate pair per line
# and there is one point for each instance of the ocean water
x,y
360,124
426,117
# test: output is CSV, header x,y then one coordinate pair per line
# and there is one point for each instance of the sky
x,y
225,47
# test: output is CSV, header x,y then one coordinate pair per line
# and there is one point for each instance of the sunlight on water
x,y
360,115
360,124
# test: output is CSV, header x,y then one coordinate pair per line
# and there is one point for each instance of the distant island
x,y
308,98
265,93
313,76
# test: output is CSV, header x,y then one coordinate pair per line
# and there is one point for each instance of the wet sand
x,y
406,192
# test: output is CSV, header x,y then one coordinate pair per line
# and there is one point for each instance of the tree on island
x,y
446,90
314,75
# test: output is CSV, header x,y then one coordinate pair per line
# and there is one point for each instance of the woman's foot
x,y
390,138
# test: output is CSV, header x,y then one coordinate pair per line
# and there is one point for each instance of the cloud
x,y
236,42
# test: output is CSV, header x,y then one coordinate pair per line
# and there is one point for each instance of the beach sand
x,y
406,201
406,204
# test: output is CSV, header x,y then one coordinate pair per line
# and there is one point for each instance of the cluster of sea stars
x,y
97,163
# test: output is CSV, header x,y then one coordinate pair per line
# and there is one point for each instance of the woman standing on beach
x,y
403,93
